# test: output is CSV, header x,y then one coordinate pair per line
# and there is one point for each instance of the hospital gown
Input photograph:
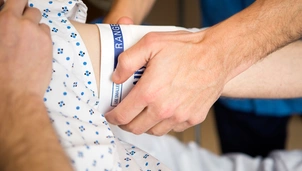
x,y
72,102
74,110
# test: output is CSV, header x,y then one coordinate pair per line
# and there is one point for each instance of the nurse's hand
x,y
182,80
25,49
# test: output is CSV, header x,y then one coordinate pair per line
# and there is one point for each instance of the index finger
x,y
16,6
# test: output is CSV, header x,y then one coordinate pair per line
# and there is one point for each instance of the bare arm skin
x,y
135,10
255,32
27,139
279,75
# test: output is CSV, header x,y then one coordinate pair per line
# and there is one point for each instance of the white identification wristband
x,y
114,40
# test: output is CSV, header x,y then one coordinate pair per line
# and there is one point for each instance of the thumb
x,y
125,20
132,60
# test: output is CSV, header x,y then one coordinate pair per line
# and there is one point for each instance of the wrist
x,y
223,52
231,49
240,41
252,34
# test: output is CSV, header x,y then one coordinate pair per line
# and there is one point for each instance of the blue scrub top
x,y
215,11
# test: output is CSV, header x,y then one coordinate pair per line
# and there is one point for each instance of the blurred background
x,y
187,14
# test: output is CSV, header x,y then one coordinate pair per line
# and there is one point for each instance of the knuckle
x,y
151,38
134,129
194,121
136,132
125,61
121,119
153,96
155,132
47,28
179,118
149,96
165,113
191,122
36,11
27,25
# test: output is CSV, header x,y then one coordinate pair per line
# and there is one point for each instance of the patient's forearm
x,y
277,76
28,141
